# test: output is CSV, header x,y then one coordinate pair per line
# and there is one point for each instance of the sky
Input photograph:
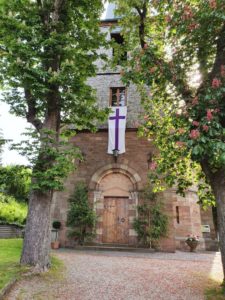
x,y
12,127
108,13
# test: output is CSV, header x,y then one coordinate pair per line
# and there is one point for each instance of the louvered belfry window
x,y
117,96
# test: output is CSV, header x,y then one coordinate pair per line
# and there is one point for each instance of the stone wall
x,y
102,85
210,238
187,218
108,78
97,163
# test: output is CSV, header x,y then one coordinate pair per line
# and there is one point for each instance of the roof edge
x,y
115,20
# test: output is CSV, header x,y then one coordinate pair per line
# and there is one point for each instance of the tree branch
x,y
216,69
31,114
142,15
202,61
180,85
138,10
58,4
220,54
39,3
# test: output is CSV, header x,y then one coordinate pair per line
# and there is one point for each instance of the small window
x,y
117,96
177,215
117,37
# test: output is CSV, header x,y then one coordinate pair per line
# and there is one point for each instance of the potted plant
x,y
56,225
192,241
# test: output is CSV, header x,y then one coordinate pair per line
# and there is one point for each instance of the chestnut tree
x,y
47,52
177,50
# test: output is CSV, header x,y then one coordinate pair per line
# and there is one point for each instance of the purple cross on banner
x,y
117,118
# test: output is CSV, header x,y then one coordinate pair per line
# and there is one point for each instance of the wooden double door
x,y
116,220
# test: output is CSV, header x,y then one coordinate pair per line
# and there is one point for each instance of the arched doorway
x,y
116,188
115,202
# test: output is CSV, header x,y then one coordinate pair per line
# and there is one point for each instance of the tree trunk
x,y
218,185
36,248
37,238
219,191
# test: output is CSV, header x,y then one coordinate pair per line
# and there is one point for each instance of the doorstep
x,y
124,248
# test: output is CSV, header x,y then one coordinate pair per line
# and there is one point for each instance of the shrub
x,y
15,181
56,224
80,218
151,223
11,211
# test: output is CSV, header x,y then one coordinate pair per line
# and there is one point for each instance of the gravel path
x,y
128,276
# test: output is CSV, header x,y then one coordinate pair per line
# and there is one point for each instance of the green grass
x,y
56,272
217,293
10,251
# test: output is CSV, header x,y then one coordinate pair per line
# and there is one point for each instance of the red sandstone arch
x,y
128,172
116,184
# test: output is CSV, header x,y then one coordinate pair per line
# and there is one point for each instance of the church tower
x,y
116,166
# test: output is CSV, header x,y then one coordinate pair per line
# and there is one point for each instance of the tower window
x,y
177,215
117,96
118,38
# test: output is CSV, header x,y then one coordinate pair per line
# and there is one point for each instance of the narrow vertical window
x,y
177,215
117,96
118,39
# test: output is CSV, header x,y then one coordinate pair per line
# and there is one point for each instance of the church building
x,y
116,166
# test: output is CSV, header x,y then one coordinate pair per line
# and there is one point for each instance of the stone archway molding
x,y
111,168
98,197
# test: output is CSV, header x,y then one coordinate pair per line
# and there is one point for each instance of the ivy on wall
x,y
151,223
80,218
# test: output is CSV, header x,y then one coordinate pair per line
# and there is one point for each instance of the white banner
x,y
117,127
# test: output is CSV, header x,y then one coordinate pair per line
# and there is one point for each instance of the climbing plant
x,y
80,218
151,223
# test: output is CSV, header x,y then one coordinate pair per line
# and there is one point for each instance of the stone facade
x,y
126,177
102,85
133,165
107,78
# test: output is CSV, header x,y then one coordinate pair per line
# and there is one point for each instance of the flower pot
x,y
55,245
192,244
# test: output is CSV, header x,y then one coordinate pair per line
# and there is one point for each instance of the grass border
x,y
56,271
7,288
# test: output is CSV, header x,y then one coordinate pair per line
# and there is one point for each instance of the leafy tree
x,y
2,141
177,50
15,181
48,49
151,223
80,218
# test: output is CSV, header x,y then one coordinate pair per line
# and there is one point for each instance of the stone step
x,y
114,248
